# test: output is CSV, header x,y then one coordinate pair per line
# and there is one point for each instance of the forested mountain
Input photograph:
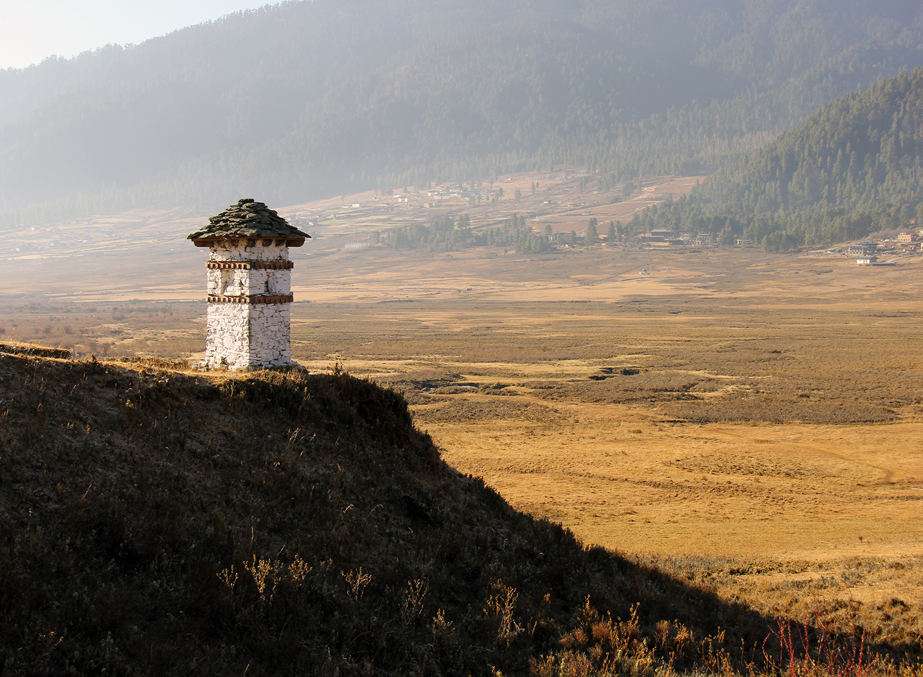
x,y
304,99
854,167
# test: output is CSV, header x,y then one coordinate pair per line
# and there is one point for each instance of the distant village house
x,y
703,240
864,248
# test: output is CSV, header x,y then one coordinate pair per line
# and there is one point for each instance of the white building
x,y
249,286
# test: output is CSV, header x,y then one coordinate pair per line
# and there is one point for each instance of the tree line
x,y
854,167
445,234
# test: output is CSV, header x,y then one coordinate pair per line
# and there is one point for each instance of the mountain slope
x,y
853,167
306,99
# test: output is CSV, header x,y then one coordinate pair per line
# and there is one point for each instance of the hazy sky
x,y
31,30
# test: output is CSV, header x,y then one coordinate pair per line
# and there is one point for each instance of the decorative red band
x,y
252,299
249,265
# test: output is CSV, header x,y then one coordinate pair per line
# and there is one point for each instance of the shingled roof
x,y
249,219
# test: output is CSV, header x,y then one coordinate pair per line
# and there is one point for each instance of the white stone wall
x,y
270,334
254,282
214,281
235,282
278,282
226,282
228,335
248,335
243,250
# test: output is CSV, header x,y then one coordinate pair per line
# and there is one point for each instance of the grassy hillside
x,y
307,99
158,522
854,167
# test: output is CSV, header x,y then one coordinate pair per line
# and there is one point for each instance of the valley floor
x,y
747,419
741,417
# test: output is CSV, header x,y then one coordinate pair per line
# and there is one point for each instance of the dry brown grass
x,y
731,407
281,523
751,420
107,329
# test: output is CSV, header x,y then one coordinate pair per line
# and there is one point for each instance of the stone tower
x,y
249,286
